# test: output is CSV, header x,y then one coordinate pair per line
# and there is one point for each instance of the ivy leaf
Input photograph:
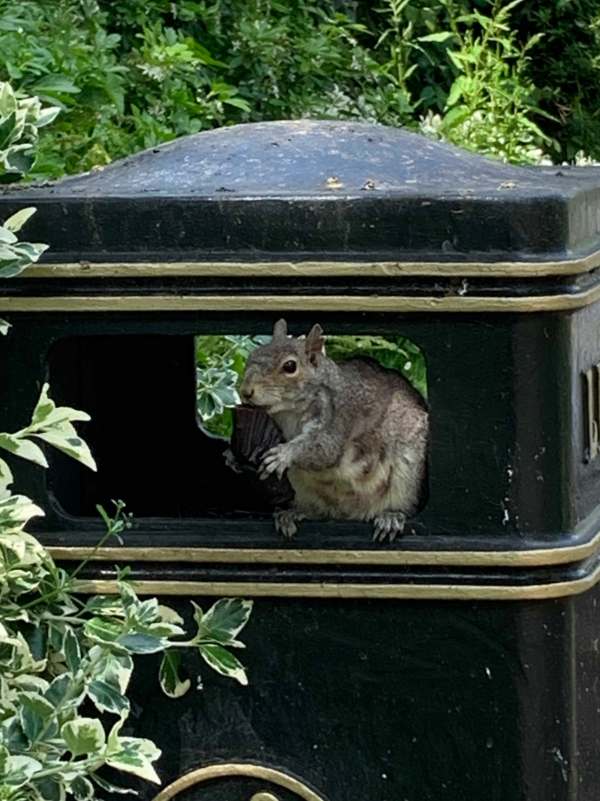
x,y
82,789
109,605
50,789
135,755
24,448
168,615
223,662
69,443
115,669
139,643
168,675
35,714
107,698
63,687
51,415
105,632
224,620
19,770
6,477
84,736
18,220
71,650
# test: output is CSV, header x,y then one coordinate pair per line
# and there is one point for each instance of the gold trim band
x,y
537,557
309,269
235,769
333,590
294,303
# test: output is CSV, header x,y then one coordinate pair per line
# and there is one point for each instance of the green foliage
x,y
492,103
220,362
20,121
565,68
59,652
485,74
64,658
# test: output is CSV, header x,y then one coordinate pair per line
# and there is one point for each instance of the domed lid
x,y
318,190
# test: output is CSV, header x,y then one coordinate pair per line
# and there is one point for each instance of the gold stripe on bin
x,y
309,269
534,557
337,590
228,770
294,303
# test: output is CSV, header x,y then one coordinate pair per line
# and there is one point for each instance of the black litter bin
x,y
461,661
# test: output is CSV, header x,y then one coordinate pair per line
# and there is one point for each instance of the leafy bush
x,y
20,121
492,103
61,656
565,68
504,78
59,651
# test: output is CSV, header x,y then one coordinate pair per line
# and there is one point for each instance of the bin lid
x,y
319,190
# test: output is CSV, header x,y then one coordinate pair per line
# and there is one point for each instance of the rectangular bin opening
x,y
162,419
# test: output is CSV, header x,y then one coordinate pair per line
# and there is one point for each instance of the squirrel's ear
x,y
315,343
280,329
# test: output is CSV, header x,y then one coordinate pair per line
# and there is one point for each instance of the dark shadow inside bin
x,y
151,448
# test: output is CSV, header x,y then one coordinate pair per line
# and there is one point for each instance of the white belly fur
x,y
356,489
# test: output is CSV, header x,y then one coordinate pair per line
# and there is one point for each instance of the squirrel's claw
x,y
388,526
285,522
276,460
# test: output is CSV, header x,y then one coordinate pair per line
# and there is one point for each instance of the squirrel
x,y
355,433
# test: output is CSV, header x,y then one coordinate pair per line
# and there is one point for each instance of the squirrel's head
x,y
278,376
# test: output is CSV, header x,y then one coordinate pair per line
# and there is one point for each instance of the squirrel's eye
x,y
289,367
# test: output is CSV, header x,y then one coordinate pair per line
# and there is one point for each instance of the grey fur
x,y
355,433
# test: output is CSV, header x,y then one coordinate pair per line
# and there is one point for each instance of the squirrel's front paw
x,y
388,526
276,460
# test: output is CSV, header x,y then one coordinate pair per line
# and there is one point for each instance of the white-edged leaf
x,y
224,662
115,669
140,643
72,445
103,631
6,476
66,691
71,650
84,736
107,698
169,615
168,675
7,238
50,788
19,770
135,755
35,715
82,789
24,448
18,220
224,620
5,327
